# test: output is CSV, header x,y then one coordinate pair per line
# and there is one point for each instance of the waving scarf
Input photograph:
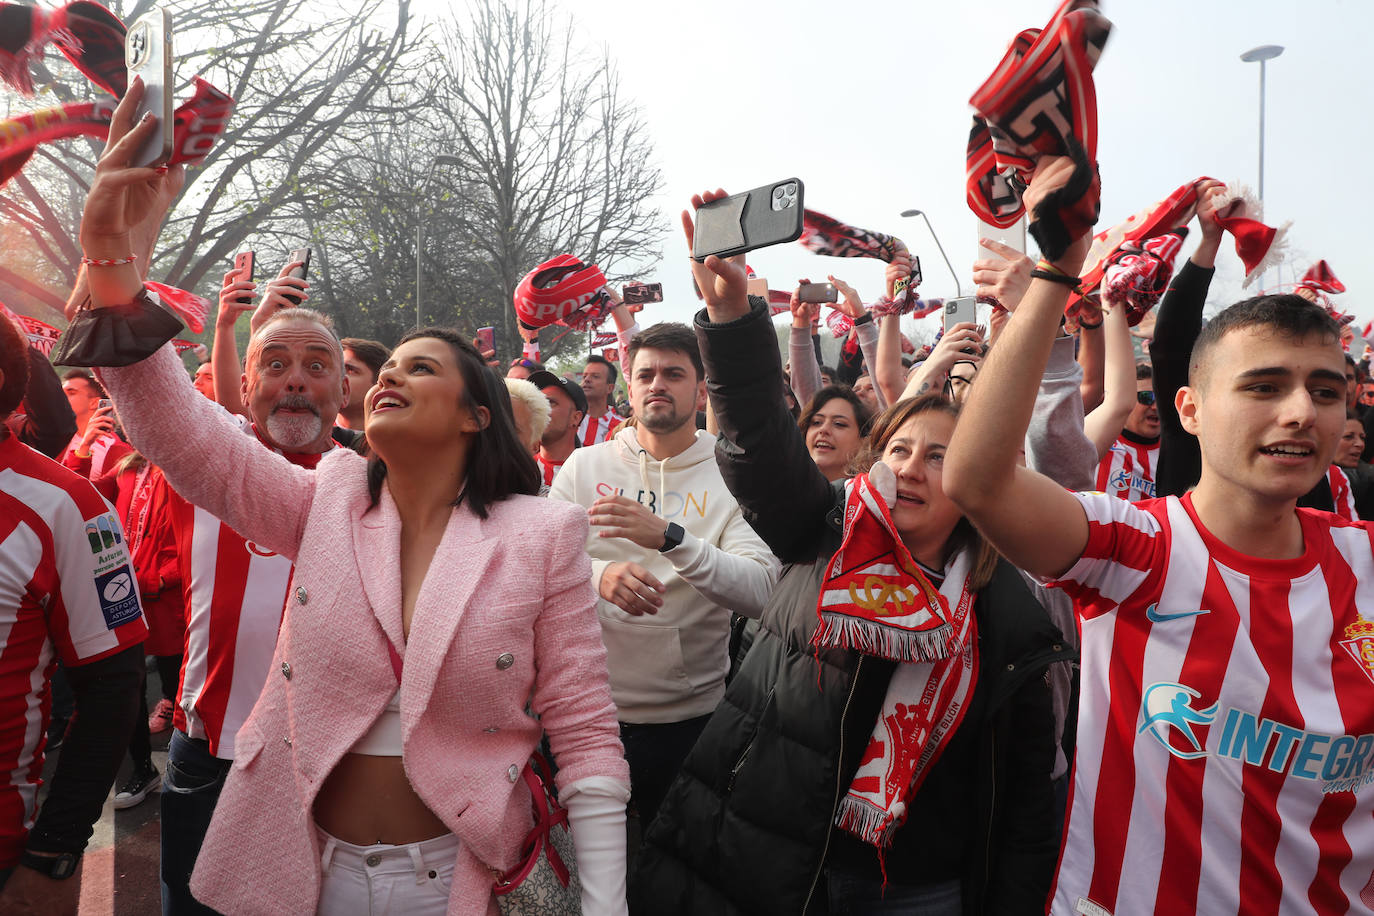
x,y
41,335
828,236
1258,246
199,122
1040,101
88,34
876,600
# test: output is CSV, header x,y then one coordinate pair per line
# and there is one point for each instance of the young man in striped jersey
x,y
598,383
1225,746
67,591
1128,468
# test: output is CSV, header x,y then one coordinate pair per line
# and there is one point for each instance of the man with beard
x,y
1128,468
672,556
598,384
293,386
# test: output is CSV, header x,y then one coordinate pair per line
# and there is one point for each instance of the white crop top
x,y
383,739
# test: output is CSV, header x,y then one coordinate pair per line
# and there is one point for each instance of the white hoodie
x,y
670,666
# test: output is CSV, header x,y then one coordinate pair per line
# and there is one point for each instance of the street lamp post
x,y
1262,53
921,213
438,160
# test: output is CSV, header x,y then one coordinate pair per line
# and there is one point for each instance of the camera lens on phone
x,y
778,192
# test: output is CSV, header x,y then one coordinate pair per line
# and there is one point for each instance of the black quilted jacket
x,y
746,827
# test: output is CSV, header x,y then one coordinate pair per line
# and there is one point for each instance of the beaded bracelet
x,y
109,262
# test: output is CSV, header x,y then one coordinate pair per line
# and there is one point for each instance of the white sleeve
x,y
739,573
596,814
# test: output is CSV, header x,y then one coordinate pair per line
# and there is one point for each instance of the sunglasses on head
x,y
1146,398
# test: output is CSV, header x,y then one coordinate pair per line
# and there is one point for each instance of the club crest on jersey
x,y
1359,642
1167,710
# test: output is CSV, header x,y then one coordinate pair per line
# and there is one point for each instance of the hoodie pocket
x,y
646,664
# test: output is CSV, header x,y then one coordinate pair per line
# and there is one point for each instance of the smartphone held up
x,y
767,215
300,257
148,54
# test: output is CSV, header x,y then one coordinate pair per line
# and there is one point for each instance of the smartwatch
x,y
58,867
672,537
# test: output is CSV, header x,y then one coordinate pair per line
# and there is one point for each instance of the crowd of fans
x,y
1018,622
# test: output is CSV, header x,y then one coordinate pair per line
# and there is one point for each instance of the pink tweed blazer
x,y
505,613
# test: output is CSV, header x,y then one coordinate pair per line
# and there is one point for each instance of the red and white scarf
x,y
827,236
1258,246
1040,101
876,600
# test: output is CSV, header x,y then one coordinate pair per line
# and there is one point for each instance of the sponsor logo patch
x,y
118,596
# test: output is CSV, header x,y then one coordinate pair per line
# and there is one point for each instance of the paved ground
x,y
119,870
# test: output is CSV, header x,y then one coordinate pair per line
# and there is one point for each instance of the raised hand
x,y
898,269
723,282
851,304
235,297
282,293
1004,279
1208,193
804,314
123,196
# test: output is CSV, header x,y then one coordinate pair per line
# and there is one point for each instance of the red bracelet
x,y
109,262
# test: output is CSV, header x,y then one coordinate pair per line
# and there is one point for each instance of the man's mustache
x,y
296,402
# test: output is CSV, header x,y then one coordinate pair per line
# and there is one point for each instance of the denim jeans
x,y
190,790
851,895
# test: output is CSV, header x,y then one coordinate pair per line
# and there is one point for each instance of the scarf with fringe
x,y
1259,246
876,600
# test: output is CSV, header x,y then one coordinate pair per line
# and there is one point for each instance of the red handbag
x,y
545,881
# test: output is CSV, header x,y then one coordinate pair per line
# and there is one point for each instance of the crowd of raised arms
x,y
1023,622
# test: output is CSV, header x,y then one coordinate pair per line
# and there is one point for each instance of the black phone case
x,y
744,222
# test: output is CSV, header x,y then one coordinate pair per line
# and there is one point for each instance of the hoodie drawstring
x,y
662,479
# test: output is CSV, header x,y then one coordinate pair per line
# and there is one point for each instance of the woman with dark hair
x,y
440,620
886,745
834,424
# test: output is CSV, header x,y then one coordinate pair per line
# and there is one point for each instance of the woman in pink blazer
x,y
485,599
433,602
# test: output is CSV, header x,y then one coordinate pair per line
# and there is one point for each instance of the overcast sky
x,y
867,103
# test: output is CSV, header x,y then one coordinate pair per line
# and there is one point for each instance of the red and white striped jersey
x,y
594,430
1225,758
105,451
547,469
68,591
235,592
1341,495
1128,470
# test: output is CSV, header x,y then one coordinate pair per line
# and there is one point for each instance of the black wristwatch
x,y
58,867
672,537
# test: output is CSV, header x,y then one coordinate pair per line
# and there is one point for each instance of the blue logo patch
x,y
118,596
1168,706
1152,612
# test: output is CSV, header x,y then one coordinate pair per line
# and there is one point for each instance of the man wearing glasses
x,y
1128,469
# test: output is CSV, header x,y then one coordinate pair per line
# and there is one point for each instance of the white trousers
x,y
386,880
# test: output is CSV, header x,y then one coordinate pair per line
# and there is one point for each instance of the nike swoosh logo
x,y
1152,612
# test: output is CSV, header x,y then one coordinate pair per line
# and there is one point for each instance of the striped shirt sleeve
x,y
1124,546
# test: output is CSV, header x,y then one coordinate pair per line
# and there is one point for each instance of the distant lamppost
x,y
921,213
438,160
1262,53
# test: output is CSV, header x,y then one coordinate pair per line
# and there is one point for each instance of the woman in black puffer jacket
x,y
749,826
